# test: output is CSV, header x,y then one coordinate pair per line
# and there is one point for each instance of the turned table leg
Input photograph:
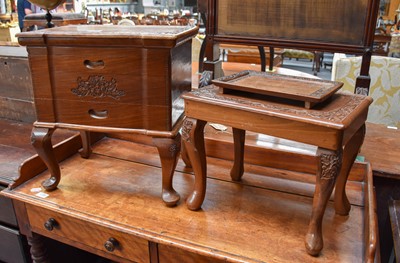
x,y
193,139
329,163
350,151
168,149
38,250
41,141
237,170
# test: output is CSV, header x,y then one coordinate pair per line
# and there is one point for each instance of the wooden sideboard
x,y
109,205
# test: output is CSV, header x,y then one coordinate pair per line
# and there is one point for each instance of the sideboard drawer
x,y
11,246
7,214
102,238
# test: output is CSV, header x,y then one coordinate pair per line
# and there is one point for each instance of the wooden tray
x,y
311,91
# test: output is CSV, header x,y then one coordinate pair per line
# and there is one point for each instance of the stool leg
x,y
350,151
239,136
86,144
193,139
328,170
41,141
185,156
168,149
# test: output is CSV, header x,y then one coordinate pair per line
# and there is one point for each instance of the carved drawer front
x,y
97,74
106,241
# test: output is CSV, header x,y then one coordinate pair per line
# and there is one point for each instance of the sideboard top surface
x,y
237,222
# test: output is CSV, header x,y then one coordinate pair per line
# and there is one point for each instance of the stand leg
x,y
328,170
86,144
193,139
49,17
350,151
168,149
185,156
238,143
41,141
38,250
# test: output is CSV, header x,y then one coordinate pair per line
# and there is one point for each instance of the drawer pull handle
x,y
99,64
50,224
98,114
111,244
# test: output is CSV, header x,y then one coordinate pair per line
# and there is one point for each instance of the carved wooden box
x,y
110,76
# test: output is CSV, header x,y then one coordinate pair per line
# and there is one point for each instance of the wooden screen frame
x,y
209,13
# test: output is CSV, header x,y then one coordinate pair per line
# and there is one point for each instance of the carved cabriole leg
x,y
328,170
168,149
86,144
350,151
41,140
185,156
193,139
238,142
38,250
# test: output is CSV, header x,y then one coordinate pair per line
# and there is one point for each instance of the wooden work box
x,y
110,79
58,19
126,77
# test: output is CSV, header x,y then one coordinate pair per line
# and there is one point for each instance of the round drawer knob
x,y
50,224
111,244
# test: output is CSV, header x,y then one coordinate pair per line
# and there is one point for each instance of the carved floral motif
x,y
186,128
97,87
205,78
331,164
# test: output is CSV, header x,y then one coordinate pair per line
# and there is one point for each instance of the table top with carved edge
x,y
338,113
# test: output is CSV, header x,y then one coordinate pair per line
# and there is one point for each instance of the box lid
x,y
109,35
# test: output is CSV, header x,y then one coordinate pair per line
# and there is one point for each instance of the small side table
x,y
336,127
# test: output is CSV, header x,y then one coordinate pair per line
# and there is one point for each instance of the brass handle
x,y
50,224
99,64
98,114
111,244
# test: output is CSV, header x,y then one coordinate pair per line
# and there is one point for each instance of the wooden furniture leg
x,y
38,249
86,144
350,151
185,156
193,139
329,163
237,170
41,141
168,149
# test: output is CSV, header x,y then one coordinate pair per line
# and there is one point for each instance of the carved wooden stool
x,y
337,127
